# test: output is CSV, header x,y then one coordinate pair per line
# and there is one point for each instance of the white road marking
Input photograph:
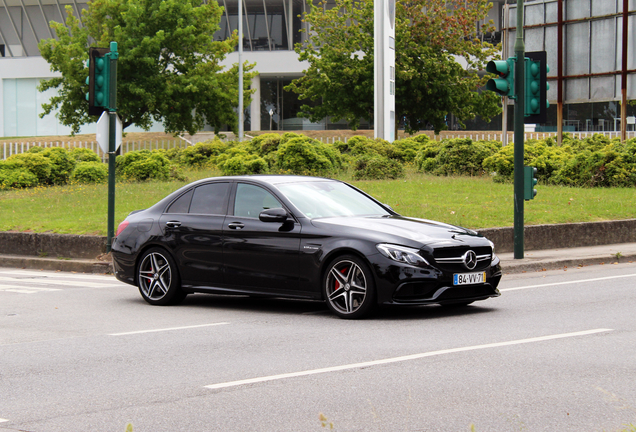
x,y
3,420
25,289
568,282
54,274
168,329
401,359
51,281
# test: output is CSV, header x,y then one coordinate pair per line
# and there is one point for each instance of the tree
x,y
430,83
168,68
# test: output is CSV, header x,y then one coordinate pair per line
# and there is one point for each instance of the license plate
x,y
469,278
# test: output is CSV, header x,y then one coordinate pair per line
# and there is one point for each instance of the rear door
x,y
193,226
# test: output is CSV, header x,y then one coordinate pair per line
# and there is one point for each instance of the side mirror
x,y
273,215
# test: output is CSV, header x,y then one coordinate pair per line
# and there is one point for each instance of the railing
x,y
9,148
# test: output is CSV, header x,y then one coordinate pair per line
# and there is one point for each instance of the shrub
x,y
36,149
35,163
405,150
143,165
377,168
540,154
241,164
425,158
360,145
84,155
267,143
203,153
90,172
62,165
607,168
17,178
461,156
303,155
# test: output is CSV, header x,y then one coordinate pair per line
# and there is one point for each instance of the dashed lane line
x,y
401,359
167,329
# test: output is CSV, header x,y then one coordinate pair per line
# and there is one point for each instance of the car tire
x,y
349,288
158,278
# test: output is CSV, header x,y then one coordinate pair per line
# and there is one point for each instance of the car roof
x,y
272,179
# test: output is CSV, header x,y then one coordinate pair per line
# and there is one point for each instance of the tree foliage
x,y
168,68
432,36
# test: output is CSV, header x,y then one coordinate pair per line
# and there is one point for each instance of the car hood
x,y
416,230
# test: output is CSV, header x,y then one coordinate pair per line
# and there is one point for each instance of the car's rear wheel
x,y
349,288
158,278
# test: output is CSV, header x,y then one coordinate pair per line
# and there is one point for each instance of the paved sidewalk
x,y
538,260
552,259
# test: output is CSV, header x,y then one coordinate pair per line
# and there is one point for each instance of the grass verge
x,y
475,202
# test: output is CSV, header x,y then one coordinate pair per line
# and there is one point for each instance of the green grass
x,y
470,202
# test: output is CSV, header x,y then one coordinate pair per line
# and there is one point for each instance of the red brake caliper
x,y
338,284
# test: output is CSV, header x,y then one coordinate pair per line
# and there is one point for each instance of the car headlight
x,y
493,250
402,254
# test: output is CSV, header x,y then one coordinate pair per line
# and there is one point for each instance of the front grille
x,y
416,291
452,259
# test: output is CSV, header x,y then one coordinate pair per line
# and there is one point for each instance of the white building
x,y
271,28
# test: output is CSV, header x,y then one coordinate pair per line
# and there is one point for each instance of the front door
x,y
260,256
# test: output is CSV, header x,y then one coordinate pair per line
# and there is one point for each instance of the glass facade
x,y
267,25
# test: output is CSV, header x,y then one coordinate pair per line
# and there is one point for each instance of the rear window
x,y
182,204
210,199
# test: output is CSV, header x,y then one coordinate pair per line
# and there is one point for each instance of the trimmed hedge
x,y
592,162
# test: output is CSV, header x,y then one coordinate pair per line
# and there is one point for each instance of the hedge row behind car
x,y
52,166
591,162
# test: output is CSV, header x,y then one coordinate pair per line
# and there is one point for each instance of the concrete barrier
x,y
537,237
52,245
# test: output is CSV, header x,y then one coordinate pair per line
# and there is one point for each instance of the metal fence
x,y
9,148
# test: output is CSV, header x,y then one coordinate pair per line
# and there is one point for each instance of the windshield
x,y
330,199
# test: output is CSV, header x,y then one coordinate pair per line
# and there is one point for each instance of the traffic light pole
x,y
519,135
112,144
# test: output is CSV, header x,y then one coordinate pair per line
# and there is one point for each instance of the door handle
x,y
236,226
173,224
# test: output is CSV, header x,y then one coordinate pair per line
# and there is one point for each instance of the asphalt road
x,y
557,351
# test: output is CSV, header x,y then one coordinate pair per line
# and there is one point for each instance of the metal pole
x,y
504,44
519,134
112,144
624,74
560,72
240,80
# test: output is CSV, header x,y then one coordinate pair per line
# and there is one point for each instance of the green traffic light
x,y
98,80
529,182
505,84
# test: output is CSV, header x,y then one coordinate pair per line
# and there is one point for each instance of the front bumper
x,y
402,284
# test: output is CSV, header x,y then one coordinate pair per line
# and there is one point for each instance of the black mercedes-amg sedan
x,y
299,237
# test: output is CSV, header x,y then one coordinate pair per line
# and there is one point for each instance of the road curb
x,y
67,265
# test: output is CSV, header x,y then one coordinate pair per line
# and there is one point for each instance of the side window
x,y
181,204
251,200
210,199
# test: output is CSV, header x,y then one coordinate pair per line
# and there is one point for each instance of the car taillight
x,y
122,226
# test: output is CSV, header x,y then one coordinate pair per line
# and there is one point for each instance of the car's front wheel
x,y
349,288
158,278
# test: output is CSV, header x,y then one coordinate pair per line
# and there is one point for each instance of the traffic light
x,y
529,182
536,101
505,84
98,80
